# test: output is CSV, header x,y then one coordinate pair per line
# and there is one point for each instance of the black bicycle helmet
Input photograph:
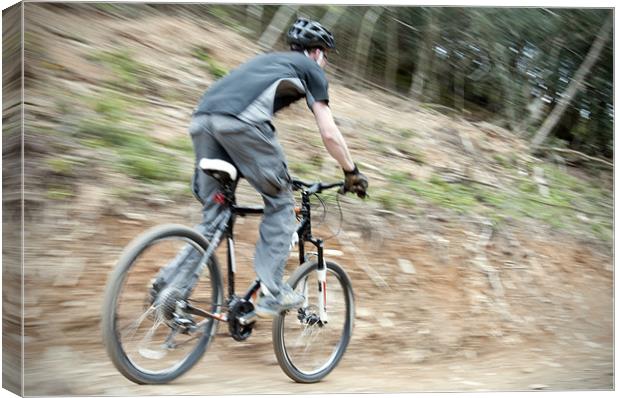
x,y
309,34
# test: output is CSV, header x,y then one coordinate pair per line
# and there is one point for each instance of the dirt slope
x,y
516,307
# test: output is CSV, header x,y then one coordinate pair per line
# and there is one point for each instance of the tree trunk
x,y
508,88
331,17
362,49
574,87
279,23
537,108
253,18
391,66
459,88
425,57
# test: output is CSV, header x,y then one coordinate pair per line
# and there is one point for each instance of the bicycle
x,y
182,306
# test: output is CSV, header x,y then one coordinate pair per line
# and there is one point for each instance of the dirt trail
x,y
534,312
440,329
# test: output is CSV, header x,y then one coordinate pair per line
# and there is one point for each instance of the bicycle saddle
x,y
219,169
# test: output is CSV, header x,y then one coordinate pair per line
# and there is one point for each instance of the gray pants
x,y
258,156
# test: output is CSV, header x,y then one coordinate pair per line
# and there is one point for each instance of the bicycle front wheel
x,y
154,328
306,348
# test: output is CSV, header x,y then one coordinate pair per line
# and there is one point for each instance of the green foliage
x,y
406,133
217,71
387,199
566,193
458,197
229,15
411,152
316,12
112,107
143,159
102,133
211,65
317,161
33,48
315,140
376,139
140,156
106,8
59,192
527,186
128,73
183,144
558,41
301,168
125,192
105,128
503,54
399,177
503,161
603,230
63,165
148,164
63,107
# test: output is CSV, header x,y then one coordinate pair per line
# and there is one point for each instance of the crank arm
x,y
197,311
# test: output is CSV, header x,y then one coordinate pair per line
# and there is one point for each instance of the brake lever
x,y
364,195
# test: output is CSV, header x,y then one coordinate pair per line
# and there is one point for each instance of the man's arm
x,y
332,138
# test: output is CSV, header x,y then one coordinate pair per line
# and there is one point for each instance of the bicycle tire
x,y
284,357
112,336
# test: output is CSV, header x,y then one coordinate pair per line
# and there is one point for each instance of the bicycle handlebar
x,y
314,187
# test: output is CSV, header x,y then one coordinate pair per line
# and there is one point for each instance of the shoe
x,y
270,306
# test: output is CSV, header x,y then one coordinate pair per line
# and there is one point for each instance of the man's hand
x,y
355,182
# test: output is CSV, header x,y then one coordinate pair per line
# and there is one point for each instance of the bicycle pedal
x,y
184,325
183,321
247,319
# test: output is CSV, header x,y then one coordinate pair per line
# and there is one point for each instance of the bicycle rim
x,y
146,326
310,350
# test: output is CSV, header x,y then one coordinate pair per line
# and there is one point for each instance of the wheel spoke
x,y
143,348
155,344
307,349
136,324
310,334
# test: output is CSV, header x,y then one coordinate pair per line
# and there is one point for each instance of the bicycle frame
x,y
224,229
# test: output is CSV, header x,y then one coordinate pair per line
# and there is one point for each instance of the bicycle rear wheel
x,y
306,349
153,333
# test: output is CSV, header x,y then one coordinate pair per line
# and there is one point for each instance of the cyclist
x,y
233,122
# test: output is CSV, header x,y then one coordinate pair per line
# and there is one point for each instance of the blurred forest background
x,y
486,133
509,66
537,81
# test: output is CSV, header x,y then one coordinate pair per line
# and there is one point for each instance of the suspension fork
x,y
305,234
321,274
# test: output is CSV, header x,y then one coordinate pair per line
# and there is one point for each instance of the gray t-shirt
x,y
259,88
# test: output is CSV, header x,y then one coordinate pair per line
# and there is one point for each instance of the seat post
x,y
228,190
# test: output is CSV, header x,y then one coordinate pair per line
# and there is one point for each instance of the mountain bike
x,y
165,299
